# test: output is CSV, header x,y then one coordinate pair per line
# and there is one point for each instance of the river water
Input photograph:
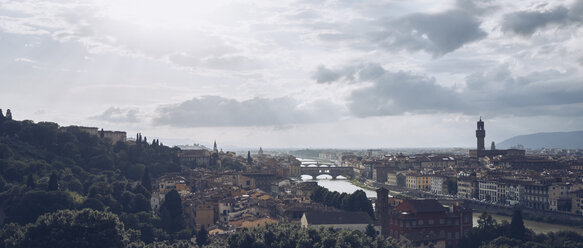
x,y
535,226
340,185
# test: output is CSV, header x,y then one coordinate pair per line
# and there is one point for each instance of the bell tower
x,y
480,134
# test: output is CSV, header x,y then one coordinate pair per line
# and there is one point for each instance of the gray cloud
x,y
325,75
437,34
395,93
538,93
493,92
477,7
219,111
115,114
527,22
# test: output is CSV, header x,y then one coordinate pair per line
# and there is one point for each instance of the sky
x,y
296,74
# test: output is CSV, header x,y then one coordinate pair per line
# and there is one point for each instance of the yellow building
x,y
418,181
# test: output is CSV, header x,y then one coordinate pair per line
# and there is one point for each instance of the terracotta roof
x,y
322,218
421,206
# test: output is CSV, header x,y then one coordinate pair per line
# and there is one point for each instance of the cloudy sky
x,y
358,74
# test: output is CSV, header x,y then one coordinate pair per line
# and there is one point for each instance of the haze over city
x,y
339,74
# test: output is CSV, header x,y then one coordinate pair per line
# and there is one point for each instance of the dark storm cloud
x,y
527,22
115,115
494,92
219,111
437,34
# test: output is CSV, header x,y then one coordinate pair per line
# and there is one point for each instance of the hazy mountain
x,y
548,140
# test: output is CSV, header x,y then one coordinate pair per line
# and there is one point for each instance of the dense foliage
x,y
45,168
66,228
285,235
490,234
356,201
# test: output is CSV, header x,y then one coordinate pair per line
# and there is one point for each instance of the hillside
x,y
569,140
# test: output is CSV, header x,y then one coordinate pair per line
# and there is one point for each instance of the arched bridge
x,y
347,172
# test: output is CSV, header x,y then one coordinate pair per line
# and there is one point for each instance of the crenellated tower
x,y
480,135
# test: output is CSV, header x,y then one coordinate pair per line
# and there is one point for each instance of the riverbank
x,y
362,185
535,226
563,219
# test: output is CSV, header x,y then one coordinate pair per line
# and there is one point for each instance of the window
x,y
430,221
420,222
448,235
441,221
442,234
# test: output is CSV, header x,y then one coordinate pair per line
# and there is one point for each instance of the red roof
x,y
420,206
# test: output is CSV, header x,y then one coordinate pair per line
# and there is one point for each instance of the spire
x,y
215,147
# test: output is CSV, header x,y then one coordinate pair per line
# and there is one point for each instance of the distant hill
x,y
570,140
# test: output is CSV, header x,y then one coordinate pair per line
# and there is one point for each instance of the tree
x,y
370,231
249,159
486,222
146,181
30,181
202,236
171,212
517,229
71,228
451,186
8,114
401,180
53,183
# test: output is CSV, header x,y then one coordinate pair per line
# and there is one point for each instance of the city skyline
x,y
334,74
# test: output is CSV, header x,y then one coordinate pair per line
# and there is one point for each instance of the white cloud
x,y
330,66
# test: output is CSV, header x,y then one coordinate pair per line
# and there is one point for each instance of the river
x,y
535,226
340,185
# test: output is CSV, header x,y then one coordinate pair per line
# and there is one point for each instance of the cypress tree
x,y
249,159
53,183
171,212
202,236
8,114
517,229
370,231
146,181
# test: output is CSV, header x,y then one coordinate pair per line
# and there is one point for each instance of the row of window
x,y
421,222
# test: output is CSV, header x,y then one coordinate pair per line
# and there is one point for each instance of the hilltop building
x,y
113,136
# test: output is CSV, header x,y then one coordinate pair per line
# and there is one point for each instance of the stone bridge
x,y
347,172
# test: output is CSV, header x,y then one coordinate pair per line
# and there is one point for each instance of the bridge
x,y
347,172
